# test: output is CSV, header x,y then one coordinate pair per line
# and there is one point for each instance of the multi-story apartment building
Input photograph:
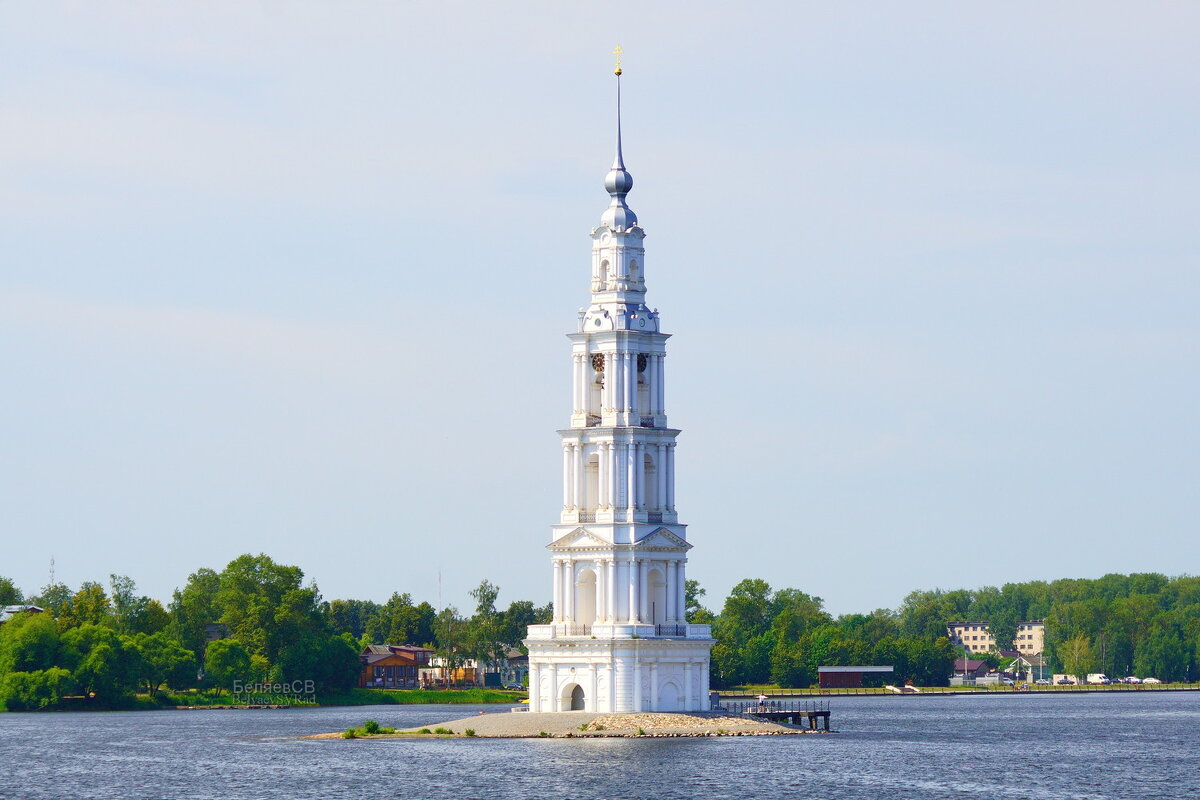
x,y
977,638
972,635
1031,637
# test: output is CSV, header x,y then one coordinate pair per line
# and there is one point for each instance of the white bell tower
x,y
619,640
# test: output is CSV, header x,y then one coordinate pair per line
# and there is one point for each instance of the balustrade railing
x,y
654,516
647,422
670,630
586,516
593,420
573,629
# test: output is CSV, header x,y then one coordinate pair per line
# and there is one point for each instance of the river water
x,y
1094,747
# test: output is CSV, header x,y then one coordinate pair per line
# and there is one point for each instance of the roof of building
x,y
375,652
855,669
966,622
1033,659
9,612
971,664
1010,653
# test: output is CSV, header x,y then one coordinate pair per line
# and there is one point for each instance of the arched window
x,y
658,596
592,483
603,276
633,271
650,484
585,597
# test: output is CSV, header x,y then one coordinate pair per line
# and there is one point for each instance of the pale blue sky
x,y
294,278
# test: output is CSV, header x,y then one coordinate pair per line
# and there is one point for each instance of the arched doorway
x,y
572,698
577,702
669,698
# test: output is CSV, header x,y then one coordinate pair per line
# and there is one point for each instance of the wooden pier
x,y
793,712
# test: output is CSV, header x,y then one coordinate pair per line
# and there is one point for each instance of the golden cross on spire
x,y
617,52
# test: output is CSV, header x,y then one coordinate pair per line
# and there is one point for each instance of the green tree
x,y
35,691
10,595
163,660
515,621
89,606
399,621
351,616
1076,655
194,607
486,631
28,643
55,598
226,661
265,606
693,593
102,661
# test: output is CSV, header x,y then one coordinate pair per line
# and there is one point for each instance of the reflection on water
x,y
1098,747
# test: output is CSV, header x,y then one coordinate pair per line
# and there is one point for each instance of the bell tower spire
x,y
619,640
618,182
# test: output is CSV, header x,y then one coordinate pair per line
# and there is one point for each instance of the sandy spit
x,y
586,724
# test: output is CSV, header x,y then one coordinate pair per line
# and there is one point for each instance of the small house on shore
x,y
386,666
972,668
847,677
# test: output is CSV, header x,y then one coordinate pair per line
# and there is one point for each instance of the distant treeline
x,y
254,622
101,644
1144,624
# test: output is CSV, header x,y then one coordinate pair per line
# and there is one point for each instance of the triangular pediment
x,y
580,537
663,538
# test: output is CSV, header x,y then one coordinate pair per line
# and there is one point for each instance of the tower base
x,y
582,673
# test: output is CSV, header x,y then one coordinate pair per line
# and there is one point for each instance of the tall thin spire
x,y
619,161
618,181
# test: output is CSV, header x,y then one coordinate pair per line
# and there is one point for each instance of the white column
x,y
558,604
630,381
635,595
671,476
639,475
534,688
569,589
662,384
590,703
602,484
644,591
614,364
681,592
622,595
669,593
580,496
660,465
598,603
652,382
611,596
623,463
682,588
553,698
576,383
636,673
653,685
631,475
612,687
566,476
689,703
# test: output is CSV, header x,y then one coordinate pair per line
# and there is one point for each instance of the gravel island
x,y
586,724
